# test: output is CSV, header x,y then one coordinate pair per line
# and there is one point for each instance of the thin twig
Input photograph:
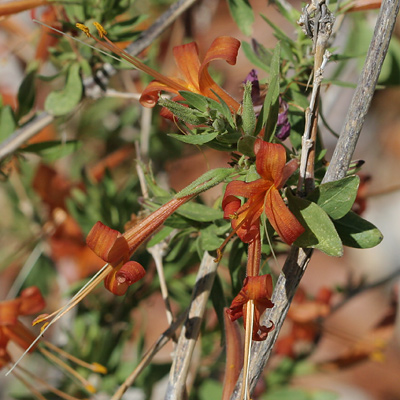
x,y
298,259
176,389
318,28
20,136
146,359
91,84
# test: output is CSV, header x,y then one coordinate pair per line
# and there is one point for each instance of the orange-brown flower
x,y
263,196
11,329
116,248
196,77
259,290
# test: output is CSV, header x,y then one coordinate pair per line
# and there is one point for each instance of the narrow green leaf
x,y
357,232
217,297
253,57
195,139
269,112
195,100
336,198
243,15
26,94
159,236
225,110
248,114
320,232
206,181
53,150
64,101
8,123
199,212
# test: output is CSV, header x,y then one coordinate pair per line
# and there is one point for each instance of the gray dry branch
x,y
298,259
180,369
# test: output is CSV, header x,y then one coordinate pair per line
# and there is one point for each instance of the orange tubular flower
x,y
195,74
263,196
258,289
30,302
116,248
196,77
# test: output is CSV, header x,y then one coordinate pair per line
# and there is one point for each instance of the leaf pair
x,y
326,214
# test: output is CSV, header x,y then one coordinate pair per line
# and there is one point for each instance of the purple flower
x,y
255,86
283,124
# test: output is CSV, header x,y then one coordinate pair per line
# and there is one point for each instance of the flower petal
x,y
270,160
32,301
108,244
258,289
21,335
9,311
282,220
187,59
119,280
223,48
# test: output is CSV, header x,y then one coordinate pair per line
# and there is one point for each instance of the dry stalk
x,y
319,28
298,259
176,389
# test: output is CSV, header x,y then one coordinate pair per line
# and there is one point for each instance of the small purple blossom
x,y
283,124
252,77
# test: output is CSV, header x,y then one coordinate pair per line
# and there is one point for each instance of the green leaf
x,y
209,240
218,299
64,101
195,139
183,113
270,110
199,212
245,145
253,57
205,182
357,232
243,15
26,94
53,150
196,100
159,236
320,232
336,198
7,122
225,110
248,114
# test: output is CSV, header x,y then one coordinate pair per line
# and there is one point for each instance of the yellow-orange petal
x,y
270,160
187,59
223,48
283,221
119,280
32,301
108,244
